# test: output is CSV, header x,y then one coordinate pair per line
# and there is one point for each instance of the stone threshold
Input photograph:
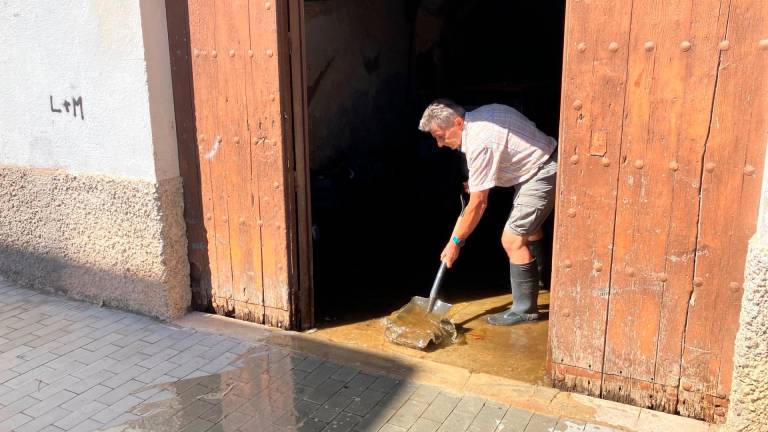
x,y
539,399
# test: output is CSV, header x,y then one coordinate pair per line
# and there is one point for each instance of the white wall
x,y
94,50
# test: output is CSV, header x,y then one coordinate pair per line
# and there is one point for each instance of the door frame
x,y
294,91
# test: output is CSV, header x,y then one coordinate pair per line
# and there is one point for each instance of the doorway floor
x,y
517,352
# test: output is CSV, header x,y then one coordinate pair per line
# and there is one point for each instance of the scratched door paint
x,y
662,138
232,97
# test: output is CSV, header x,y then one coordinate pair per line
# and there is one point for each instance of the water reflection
x,y
269,389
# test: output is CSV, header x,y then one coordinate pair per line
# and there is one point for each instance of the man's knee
x,y
513,242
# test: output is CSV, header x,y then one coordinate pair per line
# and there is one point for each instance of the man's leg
x,y
518,247
534,202
524,280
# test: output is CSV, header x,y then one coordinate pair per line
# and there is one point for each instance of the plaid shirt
x,y
502,146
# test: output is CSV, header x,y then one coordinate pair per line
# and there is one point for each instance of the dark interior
x,y
384,196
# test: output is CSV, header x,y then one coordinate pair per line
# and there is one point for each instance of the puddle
x,y
259,388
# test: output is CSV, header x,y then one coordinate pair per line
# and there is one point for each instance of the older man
x,y
503,148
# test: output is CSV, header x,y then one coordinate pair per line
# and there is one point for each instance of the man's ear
x,y
458,121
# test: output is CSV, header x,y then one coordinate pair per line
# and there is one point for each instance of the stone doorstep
x,y
518,394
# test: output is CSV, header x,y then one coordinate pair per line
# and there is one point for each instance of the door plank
x,y
233,41
266,117
594,76
729,208
668,107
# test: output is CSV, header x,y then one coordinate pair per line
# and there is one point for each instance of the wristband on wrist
x,y
457,241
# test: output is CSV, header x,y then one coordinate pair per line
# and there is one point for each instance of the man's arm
x,y
478,201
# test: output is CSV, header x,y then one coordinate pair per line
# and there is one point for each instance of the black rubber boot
x,y
525,293
539,252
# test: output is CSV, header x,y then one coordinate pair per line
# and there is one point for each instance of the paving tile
x,y
384,383
457,422
100,341
72,367
16,407
104,394
324,391
156,371
334,406
15,421
113,411
39,422
31,376
187,368
424,425
200,425
344,422
122,419
515,420
366,402
124,376
80,415
49,403
30,362
391,428
85,356
426,393
219,363
541,423
320,374
88,425
158,358
441,407
129,350
19,393
345,373
233,421
70,345
360,382
407,415
399,395
7,375
470,404
85,384
488,419
309,364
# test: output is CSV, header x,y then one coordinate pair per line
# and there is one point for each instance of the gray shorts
x,y
534,200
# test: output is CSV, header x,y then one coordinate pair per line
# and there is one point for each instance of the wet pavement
x,y
71,366
518,352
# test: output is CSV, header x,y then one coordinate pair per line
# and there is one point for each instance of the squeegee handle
x,y
436,286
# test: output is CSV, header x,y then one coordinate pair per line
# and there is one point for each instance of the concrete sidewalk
x,y
71,366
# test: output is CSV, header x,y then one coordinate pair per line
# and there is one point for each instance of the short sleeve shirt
x,y
503,147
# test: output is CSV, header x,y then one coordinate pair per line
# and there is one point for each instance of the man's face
x,y
449,136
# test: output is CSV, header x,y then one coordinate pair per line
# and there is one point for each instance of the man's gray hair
x,y
440,113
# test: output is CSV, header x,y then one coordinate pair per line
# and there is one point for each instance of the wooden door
x,y
235,111
662,143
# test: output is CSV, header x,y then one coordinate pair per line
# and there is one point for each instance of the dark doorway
x,y
384,197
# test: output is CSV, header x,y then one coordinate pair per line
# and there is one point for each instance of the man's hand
x,y
450,254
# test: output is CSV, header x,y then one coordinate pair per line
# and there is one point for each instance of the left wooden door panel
x,y
227,69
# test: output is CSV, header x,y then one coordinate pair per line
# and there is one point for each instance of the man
x,y
503,148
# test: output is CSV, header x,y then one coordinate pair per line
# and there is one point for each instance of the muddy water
x,y
260,392
518,352
414,327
